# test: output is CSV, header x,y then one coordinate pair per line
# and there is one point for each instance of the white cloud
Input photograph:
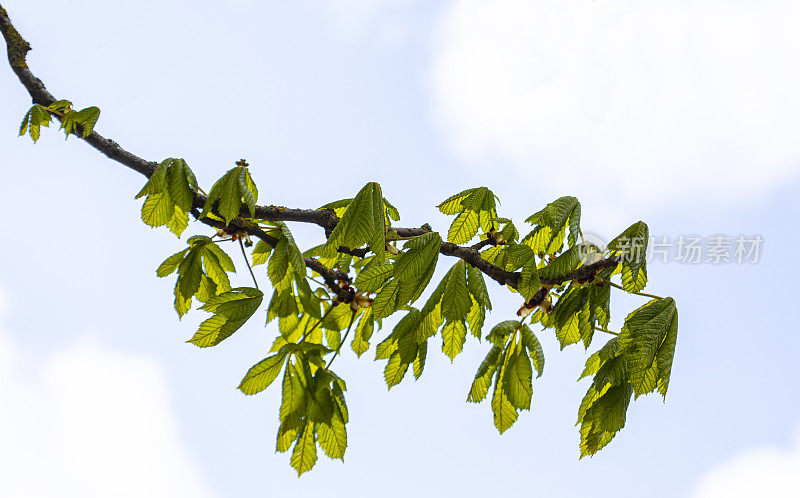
x,y
89,422
768,472
633,104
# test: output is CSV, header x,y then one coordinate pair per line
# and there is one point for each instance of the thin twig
x,y
307,332
653,296
244,255
601,329
336,353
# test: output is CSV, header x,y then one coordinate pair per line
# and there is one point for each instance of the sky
x,y
683,115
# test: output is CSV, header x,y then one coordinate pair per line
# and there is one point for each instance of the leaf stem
x,y
612,284
244,255
307,332
601,329
336,353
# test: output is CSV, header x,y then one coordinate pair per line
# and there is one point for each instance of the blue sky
x,y
682,115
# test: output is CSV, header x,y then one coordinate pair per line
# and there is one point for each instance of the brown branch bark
x,y
325,218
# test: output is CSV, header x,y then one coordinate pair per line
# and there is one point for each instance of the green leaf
x,y
531,342
385,303
88,118
475,318
170,192
477,287
483,377
454,334
632,246
235,188
304,455
362,223
419,254
363,332
563,212
602,355
372,278
500,332
279,262
171,263
419,361
504,412
293,395
643,340
261,253
395,370
35,118
158,209
456,300
452,205
231,310
333,437
519,380
262,374
604,418
464,227
565,263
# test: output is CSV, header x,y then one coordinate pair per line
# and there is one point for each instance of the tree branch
x,y
325,218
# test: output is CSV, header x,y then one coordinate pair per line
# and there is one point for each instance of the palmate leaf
x,y
518,380
340,206
333,436
454,334
456,300
604,418
648,341
505,414
170,191
363,333
476,208
531,343
556,216
36,117
477,287
631,245
202,254
483,377
236,187
304,455
231,310
372,278
362,223
603,409
566,317
262,374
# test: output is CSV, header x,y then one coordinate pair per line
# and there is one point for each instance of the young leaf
x,y
231,310
504,412
235,188
483,377
556,216
363,333
632,246
456,300
262,374
35,118
519,380
333,436
648,341
454,334
304,455
363,223
87,118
